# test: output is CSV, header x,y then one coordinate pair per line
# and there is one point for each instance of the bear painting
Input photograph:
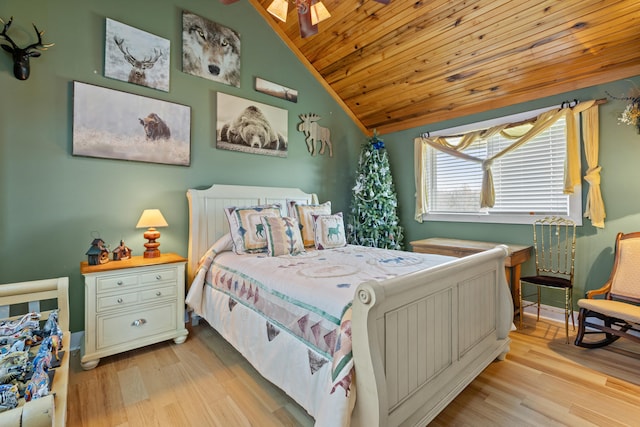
x,y
250,130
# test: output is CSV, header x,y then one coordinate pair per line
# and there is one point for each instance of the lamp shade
x,y
278,8
319,13
151,218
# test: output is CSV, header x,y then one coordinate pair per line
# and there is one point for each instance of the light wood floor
x,y
205,382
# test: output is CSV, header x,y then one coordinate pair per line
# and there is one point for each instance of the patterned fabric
x,y
342,367
304,215
245,226
328,231
305,301
283,236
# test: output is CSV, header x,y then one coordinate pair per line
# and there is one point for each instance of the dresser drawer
x,y
158,276
110,283
116,301
135,325
158,293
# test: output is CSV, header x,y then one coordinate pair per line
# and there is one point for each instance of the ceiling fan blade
x,y
228,1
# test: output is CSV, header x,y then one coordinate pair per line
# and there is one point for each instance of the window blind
x,y
527,180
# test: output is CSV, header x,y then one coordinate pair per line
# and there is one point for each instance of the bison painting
x,y
155,128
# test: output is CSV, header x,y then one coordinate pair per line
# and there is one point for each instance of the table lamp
x,y
151,218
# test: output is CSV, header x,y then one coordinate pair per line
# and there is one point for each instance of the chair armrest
x,y
602,291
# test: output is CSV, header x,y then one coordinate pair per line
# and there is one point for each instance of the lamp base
x,y
152,246
151,253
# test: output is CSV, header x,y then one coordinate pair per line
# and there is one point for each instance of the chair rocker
x,y
618,310
554,242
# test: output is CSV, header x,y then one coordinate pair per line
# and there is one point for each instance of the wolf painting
x,y
210,50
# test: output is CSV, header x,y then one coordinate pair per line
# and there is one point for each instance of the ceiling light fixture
x,y
279,9
319,13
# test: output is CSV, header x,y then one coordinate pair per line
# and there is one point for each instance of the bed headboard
x,y
207,221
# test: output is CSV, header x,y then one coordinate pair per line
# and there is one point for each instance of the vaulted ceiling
x,y
411,63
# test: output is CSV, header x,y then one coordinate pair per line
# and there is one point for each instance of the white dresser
x,y
132,303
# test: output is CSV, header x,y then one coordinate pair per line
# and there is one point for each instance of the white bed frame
x,y
418,340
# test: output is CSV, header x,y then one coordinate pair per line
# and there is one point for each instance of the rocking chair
x,y
618,312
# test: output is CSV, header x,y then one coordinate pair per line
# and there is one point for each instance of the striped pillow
x,y
283,236
304,215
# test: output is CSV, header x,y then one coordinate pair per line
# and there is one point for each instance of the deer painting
x,y
21,67
315,134
138,67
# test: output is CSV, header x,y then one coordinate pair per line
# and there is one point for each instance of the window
x,y
528,182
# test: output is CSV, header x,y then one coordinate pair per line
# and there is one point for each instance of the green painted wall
x,y
620,185
52,202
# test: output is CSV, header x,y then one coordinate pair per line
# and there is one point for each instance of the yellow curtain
x,y
594,209
521,134
487,195
421,179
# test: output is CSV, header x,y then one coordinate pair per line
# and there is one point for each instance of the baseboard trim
x,y
76,340
548,312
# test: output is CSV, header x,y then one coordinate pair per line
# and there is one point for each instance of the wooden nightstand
x,y
132,303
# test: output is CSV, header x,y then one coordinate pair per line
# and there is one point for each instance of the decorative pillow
x,y
304,215
245,226
283,235
329,231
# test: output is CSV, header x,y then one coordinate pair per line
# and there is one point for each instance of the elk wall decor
x,y
21,67
315,134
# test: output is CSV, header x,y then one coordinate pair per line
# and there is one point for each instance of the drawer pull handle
x,y
138,322
120,283
158,293
119,300
159,277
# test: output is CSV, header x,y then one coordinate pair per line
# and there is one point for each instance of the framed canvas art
x,y
118,125
277,90
135,56
251,127
210,50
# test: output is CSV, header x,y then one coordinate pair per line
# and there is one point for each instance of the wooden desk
x,y
518,254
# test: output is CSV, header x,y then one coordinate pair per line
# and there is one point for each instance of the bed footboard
x,y
420,339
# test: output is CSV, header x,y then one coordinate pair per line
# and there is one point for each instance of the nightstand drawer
x,y
159,276
158,293
116,282
116,301
135,325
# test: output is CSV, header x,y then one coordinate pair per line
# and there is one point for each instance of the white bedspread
x,y
251,299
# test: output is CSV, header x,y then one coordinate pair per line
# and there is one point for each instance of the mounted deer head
x,y
21,68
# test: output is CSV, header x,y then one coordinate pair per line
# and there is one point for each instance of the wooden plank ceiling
x,y
411,63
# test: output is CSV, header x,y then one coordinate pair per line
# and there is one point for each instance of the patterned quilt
x,y
307,295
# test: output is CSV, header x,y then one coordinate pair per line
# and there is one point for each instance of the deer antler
x,y
125,51
39,45
4,32
21,68
146,63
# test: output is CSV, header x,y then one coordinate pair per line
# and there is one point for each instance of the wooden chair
x,y
618,311
554,242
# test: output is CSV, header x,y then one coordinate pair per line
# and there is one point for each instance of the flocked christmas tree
x,y
373,220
